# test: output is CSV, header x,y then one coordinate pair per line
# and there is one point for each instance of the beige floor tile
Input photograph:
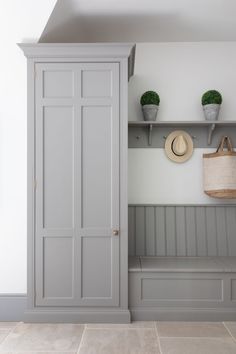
x,y
119,341
135,324
198,346
3,334
231,327
50,352
43,337
6,325
191,329
41,352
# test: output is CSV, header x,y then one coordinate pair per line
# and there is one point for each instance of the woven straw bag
x,y
219,170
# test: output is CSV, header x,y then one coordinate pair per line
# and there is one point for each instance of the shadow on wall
x,y
67,25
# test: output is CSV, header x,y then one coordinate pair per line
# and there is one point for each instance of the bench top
x,y
182,264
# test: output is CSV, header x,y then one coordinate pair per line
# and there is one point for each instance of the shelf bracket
x,y
150,134
211,128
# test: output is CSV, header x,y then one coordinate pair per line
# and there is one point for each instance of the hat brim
x,y
168,146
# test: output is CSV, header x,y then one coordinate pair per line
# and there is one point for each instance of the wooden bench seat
x,y
182,264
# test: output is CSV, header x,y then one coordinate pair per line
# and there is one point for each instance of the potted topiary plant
x,y
150,103
211,101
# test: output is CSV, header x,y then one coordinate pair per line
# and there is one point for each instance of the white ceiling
x,y
141,21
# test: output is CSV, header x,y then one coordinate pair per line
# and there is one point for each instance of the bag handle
x,y
225,140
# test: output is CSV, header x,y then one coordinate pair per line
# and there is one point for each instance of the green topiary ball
x,y
211,97
150,97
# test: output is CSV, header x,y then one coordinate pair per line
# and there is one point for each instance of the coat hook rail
x,y
205,133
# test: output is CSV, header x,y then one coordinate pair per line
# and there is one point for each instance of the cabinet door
x,y
77,194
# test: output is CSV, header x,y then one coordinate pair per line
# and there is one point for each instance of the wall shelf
x,y
204,133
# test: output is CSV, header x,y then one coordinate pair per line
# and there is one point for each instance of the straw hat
x,y
179,146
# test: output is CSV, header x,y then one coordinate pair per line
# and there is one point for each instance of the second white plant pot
x,y
211,111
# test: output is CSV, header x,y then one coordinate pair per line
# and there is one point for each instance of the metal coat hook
x,y
150,135
210,132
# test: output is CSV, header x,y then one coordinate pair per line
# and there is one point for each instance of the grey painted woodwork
x,y
86,52
77,173
182,264
178,230
203,134
77,182
182,288
12,307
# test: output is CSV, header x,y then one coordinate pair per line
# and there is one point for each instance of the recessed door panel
x,y
96,166
58,254
58,83
102,83
58,167
96,275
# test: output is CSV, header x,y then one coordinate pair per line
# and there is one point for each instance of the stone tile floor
x,y
134,338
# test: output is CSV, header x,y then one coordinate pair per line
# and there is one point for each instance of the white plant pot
x,y
150,112
211,111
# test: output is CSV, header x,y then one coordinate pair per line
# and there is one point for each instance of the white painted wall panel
x,y
19,21
180,73
154,179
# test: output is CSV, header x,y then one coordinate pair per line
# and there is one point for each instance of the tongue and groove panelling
x,y
158,230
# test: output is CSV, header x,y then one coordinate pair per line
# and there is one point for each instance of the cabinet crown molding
x,y
80,51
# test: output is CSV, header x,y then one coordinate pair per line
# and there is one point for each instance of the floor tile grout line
x,y
158,338
13,326
8,328
81,340
228,330
115,328
10,332
181,337
39,351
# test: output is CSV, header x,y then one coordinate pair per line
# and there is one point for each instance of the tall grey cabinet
x,y
77,182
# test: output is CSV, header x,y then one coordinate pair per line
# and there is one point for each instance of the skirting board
x,y
181,314
12,307
75,316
